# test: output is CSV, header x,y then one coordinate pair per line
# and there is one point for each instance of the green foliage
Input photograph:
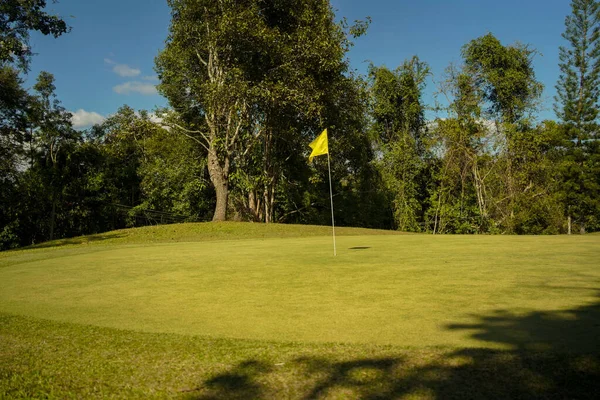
x,y
504,75
45,145
28,124
457,199
148,170
396,99
13,118
578,85
17,19
504,83
172,177
577,106
252,85
399,126
400,168
52,129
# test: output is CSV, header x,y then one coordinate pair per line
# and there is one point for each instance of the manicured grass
x,y
187,314
401,290
42,359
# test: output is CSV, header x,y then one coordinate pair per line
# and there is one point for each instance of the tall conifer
x,y
577,105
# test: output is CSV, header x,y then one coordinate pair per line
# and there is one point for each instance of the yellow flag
x,y
319,146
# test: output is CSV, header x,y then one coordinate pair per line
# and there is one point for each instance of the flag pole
x,y
331,196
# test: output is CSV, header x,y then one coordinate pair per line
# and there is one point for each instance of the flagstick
x,y
331,195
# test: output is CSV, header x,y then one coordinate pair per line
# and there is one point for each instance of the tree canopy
x,y
17,19
251,83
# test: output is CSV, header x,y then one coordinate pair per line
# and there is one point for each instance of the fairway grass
x,y
220,315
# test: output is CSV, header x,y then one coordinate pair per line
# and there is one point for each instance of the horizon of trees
x,y
249,87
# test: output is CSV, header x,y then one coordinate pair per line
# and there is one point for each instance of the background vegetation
x,y
250,90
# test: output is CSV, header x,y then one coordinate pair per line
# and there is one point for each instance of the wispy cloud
x,y
84,119
151,78
122,69
144,88
126,70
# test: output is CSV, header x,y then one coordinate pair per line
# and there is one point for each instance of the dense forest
x,y
251,83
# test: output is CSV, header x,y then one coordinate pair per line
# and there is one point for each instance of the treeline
x,y
250,84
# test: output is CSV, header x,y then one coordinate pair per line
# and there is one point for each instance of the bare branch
x,y
201,59
253,142
186,132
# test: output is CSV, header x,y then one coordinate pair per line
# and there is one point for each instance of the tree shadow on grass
x,y
570,331
239,383
553,355
75,241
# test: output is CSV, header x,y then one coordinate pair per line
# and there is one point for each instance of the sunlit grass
x,y
205,231
206,311
401,290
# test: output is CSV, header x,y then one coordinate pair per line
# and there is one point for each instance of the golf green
x,y
407,290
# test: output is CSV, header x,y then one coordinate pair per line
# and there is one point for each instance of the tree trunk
x,y
252,205
222,191
569,224
52,217
267,210
219,176
255,206
269,199
269,174
511,192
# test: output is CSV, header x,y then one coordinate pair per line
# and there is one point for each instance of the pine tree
x,y
577,105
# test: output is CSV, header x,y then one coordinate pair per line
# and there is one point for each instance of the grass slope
x,y
205,231
195,316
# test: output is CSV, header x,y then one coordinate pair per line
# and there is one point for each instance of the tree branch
x,y
187,132
201,59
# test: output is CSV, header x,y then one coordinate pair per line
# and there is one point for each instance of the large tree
x,y
505,78
505,81
14,104
578,92
399,127
460,204
149,174
241,72
14,101
17,19
53,136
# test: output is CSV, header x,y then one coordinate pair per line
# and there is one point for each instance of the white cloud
x,y
84,119
152,78
122,69
147,89
126,70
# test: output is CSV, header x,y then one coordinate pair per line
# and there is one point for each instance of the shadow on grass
x,y
554,355
359,248
78,240
239,383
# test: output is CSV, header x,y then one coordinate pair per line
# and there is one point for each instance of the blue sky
x,y
107,60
